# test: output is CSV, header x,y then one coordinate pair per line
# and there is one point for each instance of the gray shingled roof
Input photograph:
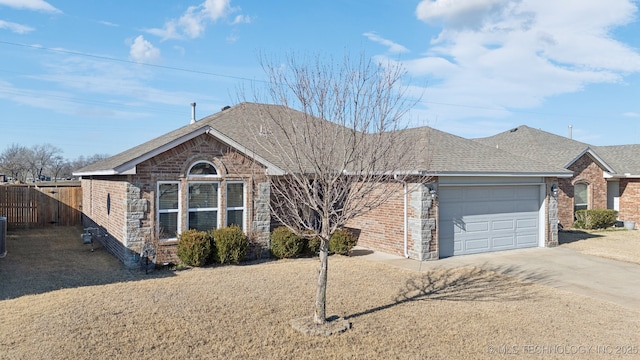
x,y
625,159
561,151
440,152
450,154
537,145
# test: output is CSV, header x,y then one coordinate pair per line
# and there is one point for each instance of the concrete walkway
x,y
609,280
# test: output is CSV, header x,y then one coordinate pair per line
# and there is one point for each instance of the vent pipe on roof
x,y
570,131
193,113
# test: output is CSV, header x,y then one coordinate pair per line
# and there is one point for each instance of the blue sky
x,y
103,76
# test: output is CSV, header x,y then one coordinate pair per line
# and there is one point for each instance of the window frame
x,y
216,175
235,208
168,211
216,209
582,206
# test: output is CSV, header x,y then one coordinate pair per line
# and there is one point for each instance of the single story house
x,y
604,177
211,174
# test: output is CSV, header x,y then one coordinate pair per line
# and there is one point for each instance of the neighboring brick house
x,y
211,174
604,177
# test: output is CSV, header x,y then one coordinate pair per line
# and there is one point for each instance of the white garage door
x,y
488,218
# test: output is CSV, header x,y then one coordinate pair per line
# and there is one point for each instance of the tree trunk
x,y
320,313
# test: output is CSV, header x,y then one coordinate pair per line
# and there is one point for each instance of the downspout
x,y
406,219
405,222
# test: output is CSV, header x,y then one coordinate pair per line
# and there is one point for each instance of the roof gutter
x,y
608,175
500,174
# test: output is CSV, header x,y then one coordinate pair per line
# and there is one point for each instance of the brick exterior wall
x,y
630,201
382,229
587,171
133,211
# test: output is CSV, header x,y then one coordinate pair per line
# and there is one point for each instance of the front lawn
x,y
616,244
244,312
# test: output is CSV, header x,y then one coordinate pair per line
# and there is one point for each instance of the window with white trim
x,y
235,204
580,197
203,205
168,210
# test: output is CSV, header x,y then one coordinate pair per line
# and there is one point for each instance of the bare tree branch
x,y
341,150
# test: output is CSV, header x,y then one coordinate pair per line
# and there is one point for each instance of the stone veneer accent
x,y
551,240
261,225
421,226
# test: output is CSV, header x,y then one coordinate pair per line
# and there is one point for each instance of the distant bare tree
x,y
14,161
83,161
339,168
40,158
57,166
21,162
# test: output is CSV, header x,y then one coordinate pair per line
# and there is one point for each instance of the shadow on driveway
x,y
43,260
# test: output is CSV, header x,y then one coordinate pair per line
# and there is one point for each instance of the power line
x,y
201,72
100,57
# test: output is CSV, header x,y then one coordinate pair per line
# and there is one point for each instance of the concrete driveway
x,y
609,280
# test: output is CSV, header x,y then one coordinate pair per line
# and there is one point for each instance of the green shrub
x,y
286,244
312,246
231,244
595,219
194,247
342,241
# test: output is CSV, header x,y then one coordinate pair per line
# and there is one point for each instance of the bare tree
x,y
83,161
56,166
20,162
14,161
340,151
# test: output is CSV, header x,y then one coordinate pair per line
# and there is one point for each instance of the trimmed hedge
x,y
230,244
342,241
194,247
286,244
595,219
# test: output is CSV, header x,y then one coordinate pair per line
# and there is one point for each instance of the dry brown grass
x,y
616,244
244,312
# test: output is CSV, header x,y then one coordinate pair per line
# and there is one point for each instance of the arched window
x,y
580,197
202,168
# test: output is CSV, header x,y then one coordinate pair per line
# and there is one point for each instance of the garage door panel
x,y
498,225
530,240
457,246
504,242
488,218
476,245
523,224
477,226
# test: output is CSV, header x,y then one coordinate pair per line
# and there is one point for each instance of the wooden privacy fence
x,y
34,206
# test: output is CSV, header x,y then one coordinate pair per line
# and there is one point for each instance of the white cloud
x,y
495,55
14,27
392,46
195,19
35,5
631,114
241,19
108,23
468,13
143,51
